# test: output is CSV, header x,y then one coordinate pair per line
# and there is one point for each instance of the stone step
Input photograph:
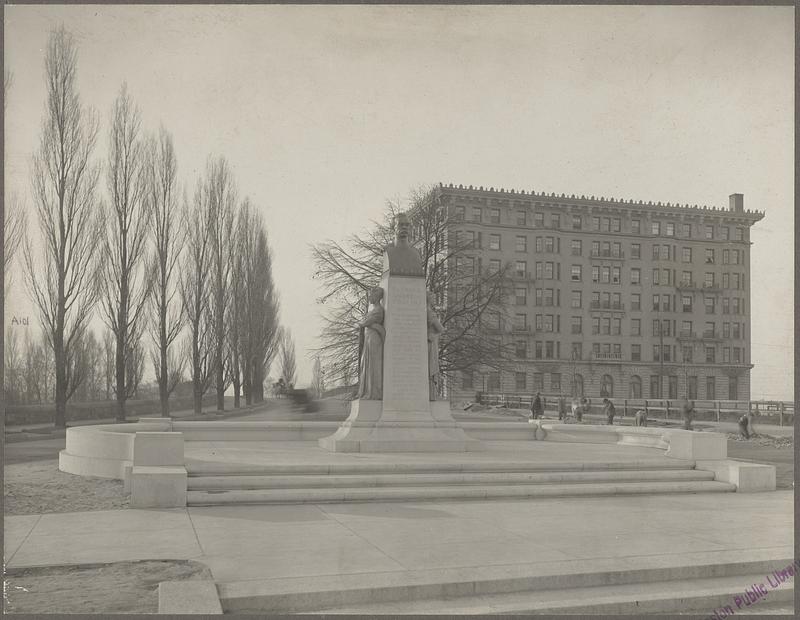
x,y
672,596
467,584
412,479
365,494
206,468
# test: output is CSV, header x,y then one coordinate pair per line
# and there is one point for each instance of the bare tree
x,y
221,204
471,297
259,328
14,218
62,282
237,300
194,288
13,381
125,285
166,319
288,361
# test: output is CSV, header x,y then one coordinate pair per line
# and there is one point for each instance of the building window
x,y
636,352
555,382
575,273
636,227
656,300
607,386
711,388
655,228
494,216
476,214
459,214
494,266
521,268
709,232
605,225
576,222
575,299
708,279
673,387
636,301
710,256
519,381
656,279
636,276
726,280
736,331
538,220
738,355
555,221
740,234
577,385
692,388
521,219
655,386
520,321
493,382
548,349
710,305
636,327
538,381
686,230
595,223
575,247
687,354
606,275
616,327
711,355
725,233
636,250
595,325
686,301
520,295
576,325
670,229
494,242
548,271
616,225
522,243
467,380
636,386
726,355
708,331
686,255
733,388
548,244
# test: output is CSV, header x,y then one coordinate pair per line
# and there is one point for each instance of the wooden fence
x,y
766,411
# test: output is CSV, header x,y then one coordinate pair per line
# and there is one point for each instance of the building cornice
x,y
658,208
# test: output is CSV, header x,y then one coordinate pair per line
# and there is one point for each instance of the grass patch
x,y
39,487
117,588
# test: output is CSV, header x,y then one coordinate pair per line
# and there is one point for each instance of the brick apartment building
x,y
613,297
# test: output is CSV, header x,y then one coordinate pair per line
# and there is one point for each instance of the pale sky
x,y
326,112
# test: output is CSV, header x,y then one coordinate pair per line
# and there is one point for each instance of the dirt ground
x,y
39,487
88,589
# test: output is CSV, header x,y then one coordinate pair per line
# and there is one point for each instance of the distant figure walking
x,y
745,426
536,406
609,411
562,408
576,408
688,414
640,418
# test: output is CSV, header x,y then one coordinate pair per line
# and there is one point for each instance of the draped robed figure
x,y
370,380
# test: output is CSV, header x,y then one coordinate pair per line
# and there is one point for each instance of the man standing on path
x,y
688,414
536,406
609,410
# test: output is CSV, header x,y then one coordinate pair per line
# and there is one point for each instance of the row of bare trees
x,y
470,297
124,253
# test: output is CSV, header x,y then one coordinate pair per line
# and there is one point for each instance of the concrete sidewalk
x,y
244,543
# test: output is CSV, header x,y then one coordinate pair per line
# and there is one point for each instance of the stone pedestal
x,y
406,420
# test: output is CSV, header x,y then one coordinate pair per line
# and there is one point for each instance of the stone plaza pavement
x,y
241,543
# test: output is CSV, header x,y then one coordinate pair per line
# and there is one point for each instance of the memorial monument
x,y
404,415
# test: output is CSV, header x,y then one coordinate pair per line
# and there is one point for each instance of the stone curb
x,y
188,597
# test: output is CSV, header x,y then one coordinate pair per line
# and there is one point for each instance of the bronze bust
x,y
401,258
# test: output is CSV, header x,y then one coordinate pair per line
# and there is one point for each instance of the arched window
x,y
577,385
636,386
607,387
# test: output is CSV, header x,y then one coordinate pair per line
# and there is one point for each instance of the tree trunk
x,y
163,377
120,379
61,388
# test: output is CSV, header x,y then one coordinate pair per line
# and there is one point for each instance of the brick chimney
x,y
737,203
